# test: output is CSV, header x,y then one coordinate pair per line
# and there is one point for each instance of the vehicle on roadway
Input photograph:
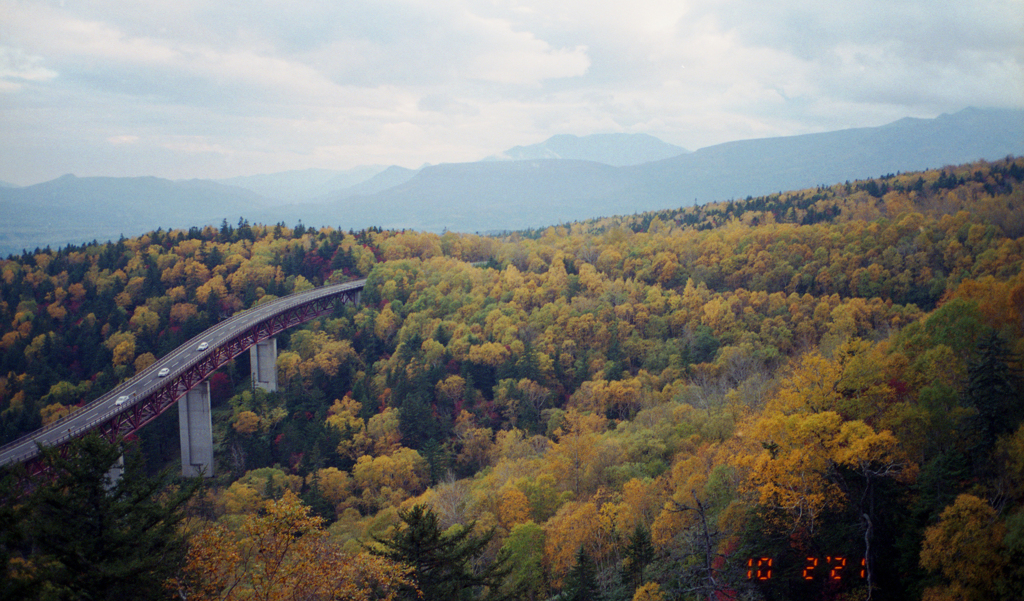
x,y
121,399
203,346
163,372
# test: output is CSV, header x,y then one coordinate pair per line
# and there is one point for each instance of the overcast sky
x,y
219,88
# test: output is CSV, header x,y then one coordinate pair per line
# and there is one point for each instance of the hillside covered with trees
x,y
811,395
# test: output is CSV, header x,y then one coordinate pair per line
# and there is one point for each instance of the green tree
x,y
443,561
581,581
525,548
993,391
86,535
639,554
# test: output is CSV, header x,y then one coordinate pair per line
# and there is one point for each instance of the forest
x,y
815,395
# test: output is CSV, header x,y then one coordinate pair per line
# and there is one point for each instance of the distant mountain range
x,y
73,209
617,150
305,185
561,180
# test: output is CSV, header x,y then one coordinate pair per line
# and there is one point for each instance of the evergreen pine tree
x,y
994,392
442,562
639,554
89,536
439,459
581,581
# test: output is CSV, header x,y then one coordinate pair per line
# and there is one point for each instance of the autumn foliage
x,y
282,553
826,381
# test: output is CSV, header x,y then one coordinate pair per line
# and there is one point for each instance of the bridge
x,y
183,373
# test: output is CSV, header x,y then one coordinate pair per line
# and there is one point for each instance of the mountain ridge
x,y
305,184
617,150
497,195
504,195
72,210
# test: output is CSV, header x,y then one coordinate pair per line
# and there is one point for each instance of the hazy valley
x,y
534,191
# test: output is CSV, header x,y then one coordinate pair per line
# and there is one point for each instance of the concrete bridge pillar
x,y
115,473
196,432
263,363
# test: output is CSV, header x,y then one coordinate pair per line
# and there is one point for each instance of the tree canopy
x,y
798,396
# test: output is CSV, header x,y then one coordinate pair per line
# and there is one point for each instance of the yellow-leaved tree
x,y
282,553
966,547
576,448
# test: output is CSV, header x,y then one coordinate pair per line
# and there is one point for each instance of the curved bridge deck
x,y
146,395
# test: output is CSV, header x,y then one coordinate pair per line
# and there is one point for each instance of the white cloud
x,y
285,84
194,145
529,66
17,67
121,140
509,56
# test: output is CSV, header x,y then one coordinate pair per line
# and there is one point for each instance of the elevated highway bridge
x,y
139,400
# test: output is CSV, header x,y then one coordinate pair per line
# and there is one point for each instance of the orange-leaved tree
x,y
966,547
282,553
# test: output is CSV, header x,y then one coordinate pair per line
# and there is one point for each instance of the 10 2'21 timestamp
x,y
832,568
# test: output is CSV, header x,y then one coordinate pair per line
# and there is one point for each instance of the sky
x,y
221,88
